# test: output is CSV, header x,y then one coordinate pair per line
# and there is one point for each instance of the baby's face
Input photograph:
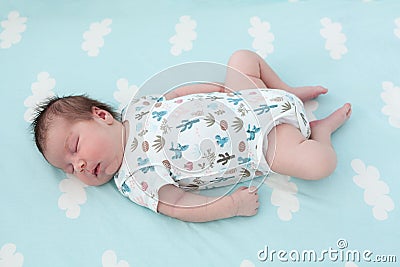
x,y
92,150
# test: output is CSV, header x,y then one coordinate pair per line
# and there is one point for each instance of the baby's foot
x,y
334,120
306,93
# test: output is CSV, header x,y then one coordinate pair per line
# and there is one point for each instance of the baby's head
x,y
81,136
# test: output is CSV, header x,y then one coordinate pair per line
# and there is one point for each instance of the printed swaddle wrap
x,y
201,141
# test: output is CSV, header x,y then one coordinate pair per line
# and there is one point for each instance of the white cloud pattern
x,y
124,93
350,264
391,97
13,27
109,259
247,263
283,195
9,257
41,89
263,37
375,190
93,38
184,37
396,30
335,39
74,194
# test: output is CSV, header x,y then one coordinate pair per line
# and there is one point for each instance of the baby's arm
x,y
197,88
186,206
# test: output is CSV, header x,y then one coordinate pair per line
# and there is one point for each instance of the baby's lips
x,y
97,169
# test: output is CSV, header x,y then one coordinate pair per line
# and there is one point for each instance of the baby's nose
x,y
80,165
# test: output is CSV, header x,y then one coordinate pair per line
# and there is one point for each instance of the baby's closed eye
x,y
76,145
73,146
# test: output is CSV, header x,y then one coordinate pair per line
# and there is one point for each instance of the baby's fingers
x,y
255,209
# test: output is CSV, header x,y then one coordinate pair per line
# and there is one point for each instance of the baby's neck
x,y
125,132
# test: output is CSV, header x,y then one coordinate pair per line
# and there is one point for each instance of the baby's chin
x,y
106,179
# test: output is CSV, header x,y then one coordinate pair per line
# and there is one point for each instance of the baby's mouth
x,y
96,170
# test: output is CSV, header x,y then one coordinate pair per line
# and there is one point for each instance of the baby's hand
x,y
245,201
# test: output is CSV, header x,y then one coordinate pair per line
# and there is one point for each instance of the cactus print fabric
x,y
201,141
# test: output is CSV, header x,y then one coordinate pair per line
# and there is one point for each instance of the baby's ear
x,y
102,114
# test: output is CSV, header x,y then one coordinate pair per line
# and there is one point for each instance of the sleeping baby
x,y
198,136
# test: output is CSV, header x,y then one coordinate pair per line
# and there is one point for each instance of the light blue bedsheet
x,y
108,49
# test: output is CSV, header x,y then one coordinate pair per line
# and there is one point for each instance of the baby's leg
x,y
291,154
248,70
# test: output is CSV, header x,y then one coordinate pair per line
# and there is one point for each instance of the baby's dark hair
x,y
73,108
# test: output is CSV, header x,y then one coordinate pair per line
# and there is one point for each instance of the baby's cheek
x,y
113,167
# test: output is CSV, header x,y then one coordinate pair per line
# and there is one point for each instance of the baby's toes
x,y
347,109
320,90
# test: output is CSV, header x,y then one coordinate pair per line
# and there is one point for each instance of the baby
x,y
195,137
